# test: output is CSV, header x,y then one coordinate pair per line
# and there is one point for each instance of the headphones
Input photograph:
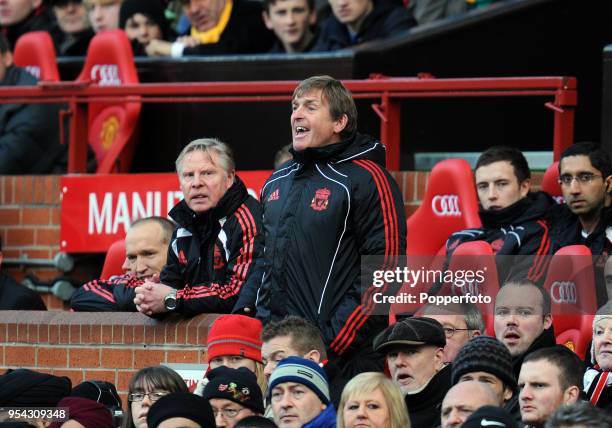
x,y
115,408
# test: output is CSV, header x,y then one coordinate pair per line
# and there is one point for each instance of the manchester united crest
x,y
320,200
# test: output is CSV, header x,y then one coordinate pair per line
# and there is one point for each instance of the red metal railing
x,y
386,92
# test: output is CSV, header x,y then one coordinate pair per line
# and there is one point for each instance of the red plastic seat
x,y
35,52
113,262
550,182
478,256
571,284
113,127
450,204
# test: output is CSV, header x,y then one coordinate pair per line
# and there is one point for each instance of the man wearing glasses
x,y
461,322
585,176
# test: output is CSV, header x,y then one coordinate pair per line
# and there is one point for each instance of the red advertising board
x,y
98,209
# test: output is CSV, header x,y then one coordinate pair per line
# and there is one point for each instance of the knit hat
x,y
303,371
28,388
484,354
490,416
235,335
153,9
87,412
411,332
181,405
237,385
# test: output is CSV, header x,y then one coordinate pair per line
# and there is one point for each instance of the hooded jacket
x,y
385,20
322,212
214,255
517,230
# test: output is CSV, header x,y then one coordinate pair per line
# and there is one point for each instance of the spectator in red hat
x,y
235,341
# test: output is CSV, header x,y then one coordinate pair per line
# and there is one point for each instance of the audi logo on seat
x,y
445,205
563,292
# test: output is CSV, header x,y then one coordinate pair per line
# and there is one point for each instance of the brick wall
x,y
111,346
30,218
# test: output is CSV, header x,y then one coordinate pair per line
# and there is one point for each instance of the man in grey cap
x,y
414,351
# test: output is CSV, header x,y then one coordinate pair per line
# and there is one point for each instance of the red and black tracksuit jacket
x,y
216,255
322,213
112,295
214,260
519,235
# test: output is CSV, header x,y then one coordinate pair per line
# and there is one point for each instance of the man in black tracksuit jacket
x,y
216,251
334,203
513,219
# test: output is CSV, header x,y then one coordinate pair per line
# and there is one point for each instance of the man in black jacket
x,y
332,204
513,218
585,175
29,133
357,21
219,27
414,350
20,17
215,257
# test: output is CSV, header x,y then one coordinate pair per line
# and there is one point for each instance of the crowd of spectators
x,y
194,27
299,345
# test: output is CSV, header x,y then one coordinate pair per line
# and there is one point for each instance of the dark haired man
x,y
291,336
549,378
334,203
512,216
293,23
585,175
29,133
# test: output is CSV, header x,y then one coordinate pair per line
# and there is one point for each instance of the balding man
x,y
146,250
464,399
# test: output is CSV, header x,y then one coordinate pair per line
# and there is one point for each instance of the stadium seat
x,y
473,257
35,52
113,127
571,284
450,204
550,182
113,262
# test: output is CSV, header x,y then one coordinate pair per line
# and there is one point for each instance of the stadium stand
x,y
113,127
571,284
450,204
550,182
35,52
113,262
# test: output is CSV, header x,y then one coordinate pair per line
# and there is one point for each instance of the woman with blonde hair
x,y
371,399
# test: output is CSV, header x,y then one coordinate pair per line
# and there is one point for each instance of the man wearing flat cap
x,y
414,351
